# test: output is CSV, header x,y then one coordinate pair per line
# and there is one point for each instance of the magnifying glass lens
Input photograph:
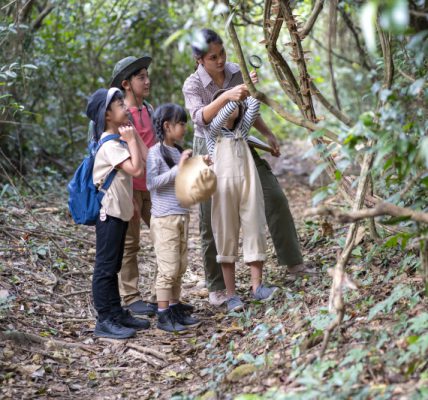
x,y
255,61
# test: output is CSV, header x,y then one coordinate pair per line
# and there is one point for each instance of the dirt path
x,y
45,300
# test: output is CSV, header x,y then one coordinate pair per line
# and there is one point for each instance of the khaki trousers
x,y
129,275
237,203
169,235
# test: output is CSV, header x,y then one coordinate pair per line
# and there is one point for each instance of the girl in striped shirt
x,y
169,223
238,201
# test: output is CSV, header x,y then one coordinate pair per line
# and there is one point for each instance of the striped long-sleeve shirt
x,y
161,182
217,124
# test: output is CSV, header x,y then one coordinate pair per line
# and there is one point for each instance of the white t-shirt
x,y
117,202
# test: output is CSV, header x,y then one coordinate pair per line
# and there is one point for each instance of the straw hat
x,y
195,182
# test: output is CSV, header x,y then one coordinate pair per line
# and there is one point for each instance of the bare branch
x,y
331,41
348,121
385,44
38,22
381,209
365,61
312,18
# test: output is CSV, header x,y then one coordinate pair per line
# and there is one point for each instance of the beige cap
x,y
195,182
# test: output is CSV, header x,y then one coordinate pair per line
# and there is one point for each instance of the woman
x,y
213,73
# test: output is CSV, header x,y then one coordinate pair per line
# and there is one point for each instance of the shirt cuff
x,y
199,119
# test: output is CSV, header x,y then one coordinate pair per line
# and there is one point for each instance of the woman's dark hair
x,y
202,40
172,113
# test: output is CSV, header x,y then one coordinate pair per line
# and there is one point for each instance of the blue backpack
x,y
84,200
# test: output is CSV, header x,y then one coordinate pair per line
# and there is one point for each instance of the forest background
x,y
348,76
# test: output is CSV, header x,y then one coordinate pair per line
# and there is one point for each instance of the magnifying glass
x,y
255,61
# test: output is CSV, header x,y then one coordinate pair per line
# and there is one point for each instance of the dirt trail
x,y
45,274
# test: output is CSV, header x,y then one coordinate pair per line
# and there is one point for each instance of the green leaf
x,y
317,172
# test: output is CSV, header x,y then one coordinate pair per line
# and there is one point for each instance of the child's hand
x,y
184,156
207,160
127,133
254,77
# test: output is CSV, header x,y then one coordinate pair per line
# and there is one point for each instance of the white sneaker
x,y
217,298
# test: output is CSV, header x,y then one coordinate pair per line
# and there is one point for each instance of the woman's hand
x,y
273,142
127,133
254,77
237,93
184,156
207,160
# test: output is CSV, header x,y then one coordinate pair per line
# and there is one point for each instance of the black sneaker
x,y
126,319
166,322
139,307
111,328
182,317
188,308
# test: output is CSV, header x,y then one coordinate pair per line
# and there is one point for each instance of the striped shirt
x,y
199,88
217,127
161,182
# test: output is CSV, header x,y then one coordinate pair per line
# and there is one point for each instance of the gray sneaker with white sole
x,y
265,293
234,303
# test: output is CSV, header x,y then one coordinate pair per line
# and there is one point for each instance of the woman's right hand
x,y
127,133
237,93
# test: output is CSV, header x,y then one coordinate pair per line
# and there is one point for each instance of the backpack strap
x,y
104,187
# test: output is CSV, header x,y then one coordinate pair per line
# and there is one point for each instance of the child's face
x,y
140,84
176,132
118,113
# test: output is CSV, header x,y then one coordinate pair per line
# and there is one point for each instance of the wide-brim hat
x,y
126,67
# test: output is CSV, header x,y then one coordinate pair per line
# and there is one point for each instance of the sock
x,y
162,309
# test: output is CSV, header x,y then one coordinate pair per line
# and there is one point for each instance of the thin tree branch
x,y
365,61
38,22
319,4
381,209
348,121
331,42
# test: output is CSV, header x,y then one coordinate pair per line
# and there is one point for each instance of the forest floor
x,y
47,348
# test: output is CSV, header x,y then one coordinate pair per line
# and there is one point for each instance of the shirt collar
x,y
230,69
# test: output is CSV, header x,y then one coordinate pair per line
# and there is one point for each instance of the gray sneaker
x,y
264,293
234,303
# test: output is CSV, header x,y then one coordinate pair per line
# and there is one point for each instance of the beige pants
x,y
129,276
169,235
237,202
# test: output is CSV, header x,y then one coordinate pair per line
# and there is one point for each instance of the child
x,y
131,75
169,223
108,113
238,201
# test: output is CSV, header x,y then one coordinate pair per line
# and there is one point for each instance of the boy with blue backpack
x,y
120,153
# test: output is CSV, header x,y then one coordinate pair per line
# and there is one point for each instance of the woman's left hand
x,y
254,77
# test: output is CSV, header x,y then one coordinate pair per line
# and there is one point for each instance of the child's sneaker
x,y
217,298
111,328
234,303
126,319
264,293
167,322
139,307
182,317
